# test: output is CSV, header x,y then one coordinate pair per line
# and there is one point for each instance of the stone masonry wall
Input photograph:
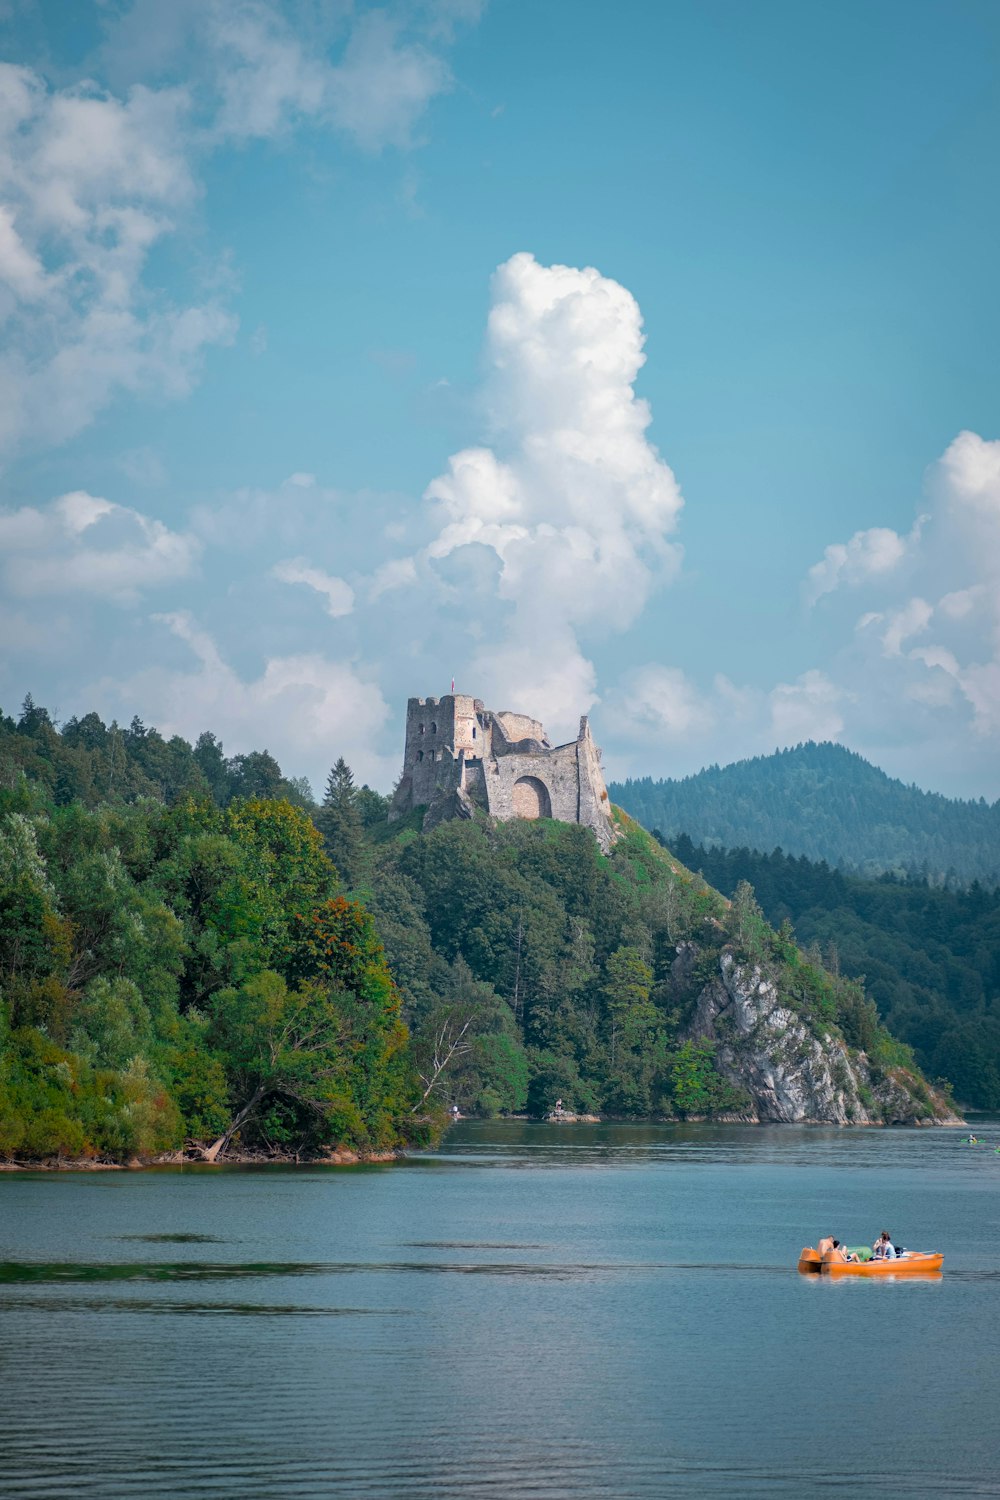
x,y
458,755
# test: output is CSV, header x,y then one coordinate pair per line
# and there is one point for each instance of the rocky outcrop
x,y
453,804
793,1072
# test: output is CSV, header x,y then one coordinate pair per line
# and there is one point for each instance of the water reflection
x,y
523,1144
174,1239
202,1309
909,1278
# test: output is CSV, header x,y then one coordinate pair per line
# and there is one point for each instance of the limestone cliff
x,y
793,1070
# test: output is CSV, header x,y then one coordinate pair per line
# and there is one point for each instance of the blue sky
x,y
633,359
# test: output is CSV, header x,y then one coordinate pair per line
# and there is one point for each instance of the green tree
x,y
339,821
256,775
337,946
695,1083
211,762
285,1045
630,1015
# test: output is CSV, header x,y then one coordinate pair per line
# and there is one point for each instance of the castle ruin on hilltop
x,y
461,756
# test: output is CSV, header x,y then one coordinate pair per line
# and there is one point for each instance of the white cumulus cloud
x,y
902,624
81,544
664,701
810,708
968,477
304,708
927,664
89,183
571,498
94,178
868,554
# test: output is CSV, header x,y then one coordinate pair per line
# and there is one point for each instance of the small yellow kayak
x,y
910,1263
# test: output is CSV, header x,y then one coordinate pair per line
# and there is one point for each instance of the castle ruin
x,y
461,756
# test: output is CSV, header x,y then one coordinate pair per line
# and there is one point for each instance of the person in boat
x,y
883,1248
837,1254
828,1243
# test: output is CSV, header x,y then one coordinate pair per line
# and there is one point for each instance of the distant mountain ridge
x,y
828,803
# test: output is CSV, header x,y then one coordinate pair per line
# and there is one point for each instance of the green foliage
x,y
583,955
695,1086
340,822
88,762
188,973
556,1076
55,1103
179,960
111,1023
466,1045
502,1073
829,804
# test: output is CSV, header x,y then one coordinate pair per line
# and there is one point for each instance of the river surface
x,y
532,1313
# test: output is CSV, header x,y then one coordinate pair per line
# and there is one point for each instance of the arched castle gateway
x,y
461,755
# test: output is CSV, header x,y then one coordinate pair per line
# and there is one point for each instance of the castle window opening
x,y
473,732
422,728
434,729
420,755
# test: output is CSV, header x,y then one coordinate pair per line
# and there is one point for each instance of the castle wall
x,y
459,755
520,727
437,730
555,769
571,774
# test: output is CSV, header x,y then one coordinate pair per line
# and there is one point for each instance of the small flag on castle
x,y
453,684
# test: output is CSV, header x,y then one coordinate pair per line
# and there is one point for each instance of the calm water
x,y
535,1311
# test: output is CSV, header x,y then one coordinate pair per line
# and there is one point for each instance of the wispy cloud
x,y
337,592
93,179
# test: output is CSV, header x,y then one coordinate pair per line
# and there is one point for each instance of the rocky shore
x,y
791,1073
336,1156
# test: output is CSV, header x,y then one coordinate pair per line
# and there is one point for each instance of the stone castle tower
x,y
460,755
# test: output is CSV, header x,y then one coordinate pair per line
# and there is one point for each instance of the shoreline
x,y
346,1156
341,1156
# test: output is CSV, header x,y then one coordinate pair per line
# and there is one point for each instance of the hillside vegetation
x,y
170,974
930,957
829,804
213,967
562,972
87,761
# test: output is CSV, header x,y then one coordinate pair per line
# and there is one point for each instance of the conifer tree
x,y
339,821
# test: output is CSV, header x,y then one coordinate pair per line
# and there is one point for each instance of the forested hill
x,y
211,969
930,957
827,803
85,760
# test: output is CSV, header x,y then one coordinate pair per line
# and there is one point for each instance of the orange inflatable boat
x,y
910,1263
